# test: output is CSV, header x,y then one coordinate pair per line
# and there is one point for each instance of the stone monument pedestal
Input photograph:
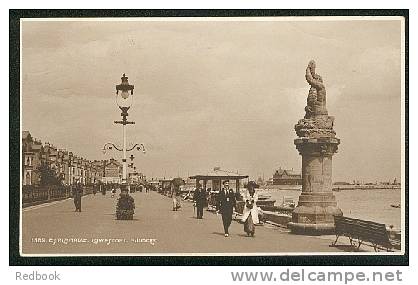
x,y
316,144
317,205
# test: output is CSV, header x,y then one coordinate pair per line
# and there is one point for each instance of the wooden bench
x,y
364,232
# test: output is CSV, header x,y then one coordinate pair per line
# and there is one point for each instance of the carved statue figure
x,y
316,103
316,123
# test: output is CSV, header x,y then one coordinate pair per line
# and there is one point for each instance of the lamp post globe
x,y
124,94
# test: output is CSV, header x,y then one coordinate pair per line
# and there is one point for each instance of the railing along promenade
x,y
34,195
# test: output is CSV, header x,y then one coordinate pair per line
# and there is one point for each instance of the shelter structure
x,y
165,186
216,178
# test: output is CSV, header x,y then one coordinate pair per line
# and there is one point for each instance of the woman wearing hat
x,y
250,212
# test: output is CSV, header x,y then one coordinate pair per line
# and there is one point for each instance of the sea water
x,y
372,205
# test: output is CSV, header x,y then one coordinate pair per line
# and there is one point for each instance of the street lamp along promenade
x,y
124,100
110,146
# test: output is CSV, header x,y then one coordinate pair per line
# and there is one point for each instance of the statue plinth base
x,y
314,214
317,206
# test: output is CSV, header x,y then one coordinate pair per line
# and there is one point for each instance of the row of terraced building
x,y
68,167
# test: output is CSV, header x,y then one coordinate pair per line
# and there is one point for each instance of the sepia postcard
x,y
212,136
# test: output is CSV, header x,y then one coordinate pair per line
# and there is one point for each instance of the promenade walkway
x,y
56,229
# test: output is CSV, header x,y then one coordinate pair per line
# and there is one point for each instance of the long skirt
x,y
176,203
249,226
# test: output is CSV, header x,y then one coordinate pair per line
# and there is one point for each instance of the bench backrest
x,y
361,229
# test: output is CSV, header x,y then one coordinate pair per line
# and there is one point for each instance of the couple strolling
x,y
227,201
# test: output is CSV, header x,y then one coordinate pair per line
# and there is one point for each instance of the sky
x,y
216,93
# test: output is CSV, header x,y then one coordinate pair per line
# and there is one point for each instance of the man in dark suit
x,y
226,206
200,199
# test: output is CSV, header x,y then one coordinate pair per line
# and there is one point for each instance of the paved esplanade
x,y
174,232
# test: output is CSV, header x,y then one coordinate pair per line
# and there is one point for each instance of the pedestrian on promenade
x,y
77,193
250,212
113,192
199,198
226,206
175,194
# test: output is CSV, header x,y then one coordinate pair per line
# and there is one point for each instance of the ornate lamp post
x,y
124,99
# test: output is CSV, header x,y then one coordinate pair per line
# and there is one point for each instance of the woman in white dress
x,y
250,212
175,194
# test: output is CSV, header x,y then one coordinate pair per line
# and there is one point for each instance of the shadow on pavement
x,y
243,235
347,248
219,234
